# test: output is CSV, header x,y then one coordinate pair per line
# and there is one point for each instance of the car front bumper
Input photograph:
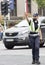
x,y
16,41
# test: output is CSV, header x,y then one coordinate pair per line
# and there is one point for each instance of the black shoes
x,y
35,62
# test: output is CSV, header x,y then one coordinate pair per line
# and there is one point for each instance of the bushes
x,y
1,20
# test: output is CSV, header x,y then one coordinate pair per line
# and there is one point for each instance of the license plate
x,y
9,40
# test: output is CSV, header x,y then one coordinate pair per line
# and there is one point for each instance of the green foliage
x,y
41,3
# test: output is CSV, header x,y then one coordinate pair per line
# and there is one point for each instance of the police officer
x,y
34,37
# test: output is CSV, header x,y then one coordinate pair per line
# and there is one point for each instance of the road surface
x,y
19,55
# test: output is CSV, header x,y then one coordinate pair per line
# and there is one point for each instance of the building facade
x,y
22,6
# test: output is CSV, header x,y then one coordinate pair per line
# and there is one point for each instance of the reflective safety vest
x,y
32,27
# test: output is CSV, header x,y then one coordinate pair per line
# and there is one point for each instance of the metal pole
x,y
4,22
4,18
8,12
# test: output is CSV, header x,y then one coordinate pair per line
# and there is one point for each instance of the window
x,y
43,21
44,11
40,11
15,8
14,12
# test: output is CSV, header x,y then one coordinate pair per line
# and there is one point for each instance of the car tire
x,y
41,43
8,45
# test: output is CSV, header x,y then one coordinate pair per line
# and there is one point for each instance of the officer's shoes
x,y
33,62
37,62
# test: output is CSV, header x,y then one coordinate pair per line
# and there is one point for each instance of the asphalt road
x,y
19,55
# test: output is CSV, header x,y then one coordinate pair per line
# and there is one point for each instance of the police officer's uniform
x,y
34,39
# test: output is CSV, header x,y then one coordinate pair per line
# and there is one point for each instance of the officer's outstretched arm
x,y
26,16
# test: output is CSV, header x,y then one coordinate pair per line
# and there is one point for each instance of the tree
x,y
41,4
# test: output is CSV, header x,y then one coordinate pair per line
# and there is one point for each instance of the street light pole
x,y
5,16
8,12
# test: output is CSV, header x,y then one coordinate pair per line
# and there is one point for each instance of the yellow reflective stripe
x,y
37,29
31,26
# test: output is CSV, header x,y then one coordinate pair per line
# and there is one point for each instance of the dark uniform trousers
x,y
35,43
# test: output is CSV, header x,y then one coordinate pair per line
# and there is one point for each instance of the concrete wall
x,y
20,7
34,7
1,0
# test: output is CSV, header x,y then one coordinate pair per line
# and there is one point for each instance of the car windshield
x,y
11,24
22,23
43,21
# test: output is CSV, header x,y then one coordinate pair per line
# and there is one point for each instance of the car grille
x,y
11,34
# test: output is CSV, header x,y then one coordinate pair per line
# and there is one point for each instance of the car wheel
x,y
41,43
9,45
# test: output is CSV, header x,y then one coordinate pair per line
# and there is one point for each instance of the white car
x,y
16,35
42,26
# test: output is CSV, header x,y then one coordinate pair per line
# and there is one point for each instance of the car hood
x,y
22,26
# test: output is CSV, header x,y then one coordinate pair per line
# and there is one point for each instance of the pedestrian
x,y
34,37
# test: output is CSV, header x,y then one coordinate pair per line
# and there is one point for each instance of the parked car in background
x,y
43,29
41,20
19,35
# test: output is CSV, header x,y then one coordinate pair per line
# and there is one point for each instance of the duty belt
x,y
34,34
